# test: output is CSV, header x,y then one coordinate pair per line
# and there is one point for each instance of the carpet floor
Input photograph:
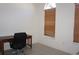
x,y
38,49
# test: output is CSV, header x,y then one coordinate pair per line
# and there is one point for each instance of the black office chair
x,y
19,41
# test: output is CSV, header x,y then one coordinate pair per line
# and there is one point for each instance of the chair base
x,y
18,52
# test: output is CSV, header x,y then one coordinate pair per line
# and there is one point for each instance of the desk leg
x,y
30,41
2,48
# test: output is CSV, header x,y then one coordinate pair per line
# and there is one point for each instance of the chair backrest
x,y
20,39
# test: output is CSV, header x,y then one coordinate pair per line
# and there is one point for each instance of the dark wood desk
x,y
4,39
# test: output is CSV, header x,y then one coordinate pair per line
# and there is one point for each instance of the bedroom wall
x,y
17,17
64,24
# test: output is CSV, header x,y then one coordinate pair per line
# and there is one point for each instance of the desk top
x,y
2,38
5,37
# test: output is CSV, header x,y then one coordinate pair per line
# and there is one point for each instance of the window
x,y
76,24
49,25
49,6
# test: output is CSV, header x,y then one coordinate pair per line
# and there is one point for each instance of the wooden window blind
x,y
49,25
76,24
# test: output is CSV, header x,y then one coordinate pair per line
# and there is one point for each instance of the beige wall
x,y
17,18
64,28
